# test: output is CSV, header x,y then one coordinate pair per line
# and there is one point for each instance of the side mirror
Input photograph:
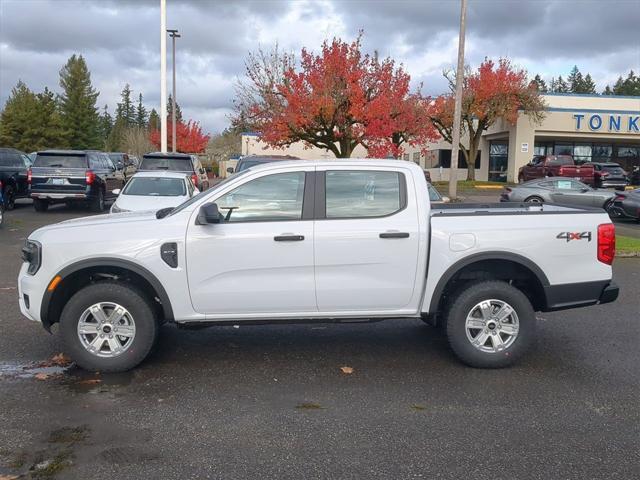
x,y
208,213
230,170
116,191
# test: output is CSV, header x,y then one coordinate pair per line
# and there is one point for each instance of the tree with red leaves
x,y
336,100
494,91
189,137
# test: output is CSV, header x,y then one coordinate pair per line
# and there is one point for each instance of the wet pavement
x,y
273,402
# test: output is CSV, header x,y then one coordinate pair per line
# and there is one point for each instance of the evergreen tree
x,y
106,125
628,86
16,120
116,135
31,122
49,127
561,86
141,114
80,117
540,84
575,80
169,109
154,120
126,111
588,85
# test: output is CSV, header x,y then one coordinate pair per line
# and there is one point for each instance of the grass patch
x,y
418,407
471,186
627,244
49,468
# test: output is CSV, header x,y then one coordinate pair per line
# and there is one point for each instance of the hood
x,y
111,219
143,203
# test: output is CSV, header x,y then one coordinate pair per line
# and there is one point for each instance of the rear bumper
x,y
59,196
613,183
573,295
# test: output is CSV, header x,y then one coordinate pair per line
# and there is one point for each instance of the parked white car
x,y
153,191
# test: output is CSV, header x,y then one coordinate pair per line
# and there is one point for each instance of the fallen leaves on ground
x,y
418,407
90,381
8,477
309,406
347,370
61,360
41,376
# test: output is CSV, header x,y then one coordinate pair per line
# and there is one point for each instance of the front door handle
x,y
394,235
288,238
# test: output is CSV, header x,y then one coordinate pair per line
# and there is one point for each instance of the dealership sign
x,y
608,122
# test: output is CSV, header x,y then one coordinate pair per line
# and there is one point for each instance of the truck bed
x,y
507,208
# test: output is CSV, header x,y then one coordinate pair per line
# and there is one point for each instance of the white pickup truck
x,y
316,241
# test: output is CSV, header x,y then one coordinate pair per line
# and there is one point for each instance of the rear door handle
x,y
288,238
394,235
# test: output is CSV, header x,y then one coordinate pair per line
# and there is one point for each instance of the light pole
x,y
455,140
163,76
173,34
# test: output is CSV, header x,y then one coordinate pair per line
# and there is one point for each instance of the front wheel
x,y
9,197
108,327
490,324
534,199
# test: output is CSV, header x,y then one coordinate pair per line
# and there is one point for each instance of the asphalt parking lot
x,y
272,401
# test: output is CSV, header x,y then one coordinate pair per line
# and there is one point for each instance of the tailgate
x,y
58,180
579,172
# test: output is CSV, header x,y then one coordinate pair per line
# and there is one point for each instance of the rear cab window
x,y
167,163
54,160
11,159
363,193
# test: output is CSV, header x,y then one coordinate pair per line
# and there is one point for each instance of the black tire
x,y
97,203
40,205
9,197
534,199
146,326
462,304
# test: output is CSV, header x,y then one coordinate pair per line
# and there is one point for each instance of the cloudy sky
x,y
120,40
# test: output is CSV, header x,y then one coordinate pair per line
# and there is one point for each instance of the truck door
x,y
259,260
366,239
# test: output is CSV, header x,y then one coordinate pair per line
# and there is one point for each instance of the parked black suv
x,y
14,167
176,162
73,176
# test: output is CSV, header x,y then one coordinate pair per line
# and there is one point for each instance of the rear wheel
x,y
534,199
490,324
9,197
97,203
108,327
40,205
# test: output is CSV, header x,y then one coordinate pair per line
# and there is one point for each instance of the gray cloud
x,y
119,39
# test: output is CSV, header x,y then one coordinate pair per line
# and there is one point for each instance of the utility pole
x,y
455,140
173,34
163,76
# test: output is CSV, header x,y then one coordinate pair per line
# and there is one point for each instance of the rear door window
x,y
11,159
60,161
363,193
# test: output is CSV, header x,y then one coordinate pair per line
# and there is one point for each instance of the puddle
x,y
31,370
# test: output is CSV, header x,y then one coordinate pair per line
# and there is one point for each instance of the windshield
x,y
245,164
60,161
155,186
613,169
171,164
215,188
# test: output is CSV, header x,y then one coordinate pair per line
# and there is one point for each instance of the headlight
x,y
115,209
32,254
